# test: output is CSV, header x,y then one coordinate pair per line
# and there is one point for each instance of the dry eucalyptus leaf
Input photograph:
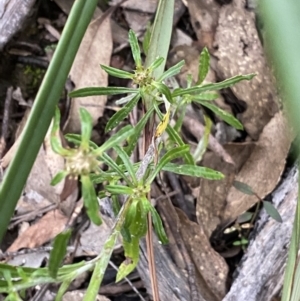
x,y
95,49
263,169
240,52
211,266
45,229
45,167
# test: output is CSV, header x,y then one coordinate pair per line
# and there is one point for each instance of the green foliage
x,y
58,252
122,177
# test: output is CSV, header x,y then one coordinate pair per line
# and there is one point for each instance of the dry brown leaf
x,y
264,167
47,164
95,49
211,266
41,232
240,52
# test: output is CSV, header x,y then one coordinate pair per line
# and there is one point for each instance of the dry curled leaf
x,y
211,266
41,232
95,49
263,169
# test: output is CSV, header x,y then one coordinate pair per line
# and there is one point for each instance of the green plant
x,y
132,180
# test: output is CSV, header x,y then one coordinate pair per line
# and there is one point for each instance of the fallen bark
x,y
260,275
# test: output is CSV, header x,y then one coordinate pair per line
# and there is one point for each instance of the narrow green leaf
x,y
223,115
161,35
170,155
213,86
125,99
95,282
118,189
163,89
158,61
91,91
58,177
177,139
58,252
296,285
115,167
125,234
181,111
117,72
128,164
146,40
62,289
194,171
203,65
90,200
122,114
157,223
245,217
189,81
135,49
131,252
272,211
117,138
138,226
243,187
206,96
130,214
174,70
76,139
133,139
203,143
158,227
86,128
55,140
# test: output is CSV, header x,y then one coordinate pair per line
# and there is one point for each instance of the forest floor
x,y
213,218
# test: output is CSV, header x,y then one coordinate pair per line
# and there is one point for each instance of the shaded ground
x,y
197,214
